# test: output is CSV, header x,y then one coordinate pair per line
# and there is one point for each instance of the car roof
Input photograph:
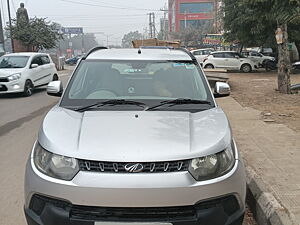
x,y
201,49
224,52
145,54
25,54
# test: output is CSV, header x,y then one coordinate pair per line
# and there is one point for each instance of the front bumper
x,y
90,193
49,211
11,87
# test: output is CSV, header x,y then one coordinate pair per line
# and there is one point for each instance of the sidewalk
x,y
272,151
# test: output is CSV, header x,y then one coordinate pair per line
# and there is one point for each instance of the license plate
x,y
130,223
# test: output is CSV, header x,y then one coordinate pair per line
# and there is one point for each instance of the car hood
x,y
8,72
127,136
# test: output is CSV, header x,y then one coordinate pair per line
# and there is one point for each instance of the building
x,y
195,13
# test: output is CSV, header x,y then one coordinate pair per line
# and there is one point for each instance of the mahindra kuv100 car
x,y
137,138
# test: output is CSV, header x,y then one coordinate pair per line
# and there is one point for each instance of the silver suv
x,y
137,138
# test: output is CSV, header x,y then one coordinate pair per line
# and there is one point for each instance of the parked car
x,y
229,60
127,144
296,67
73,60
258,58
22,72
201,54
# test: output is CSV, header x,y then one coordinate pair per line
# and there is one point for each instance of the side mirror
x,y
34,66
236,56
55,88
221,90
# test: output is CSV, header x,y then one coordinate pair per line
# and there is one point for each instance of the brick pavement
x,y
272,150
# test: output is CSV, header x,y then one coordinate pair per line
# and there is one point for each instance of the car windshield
x,y
95,81
13,62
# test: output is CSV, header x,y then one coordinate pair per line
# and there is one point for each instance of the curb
x,y
266,209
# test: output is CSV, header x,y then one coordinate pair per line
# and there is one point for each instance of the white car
x,y
258,58
201,54
22,72
229,60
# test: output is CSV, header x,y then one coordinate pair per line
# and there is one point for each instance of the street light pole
x,y
10,25
2,49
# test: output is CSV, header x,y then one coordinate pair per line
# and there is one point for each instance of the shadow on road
x,y
20,95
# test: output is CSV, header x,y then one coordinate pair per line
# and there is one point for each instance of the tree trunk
x,y
284,63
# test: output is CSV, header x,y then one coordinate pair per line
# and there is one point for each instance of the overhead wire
x,y
107,6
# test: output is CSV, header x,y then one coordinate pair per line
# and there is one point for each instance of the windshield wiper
x,y
179,101
110,102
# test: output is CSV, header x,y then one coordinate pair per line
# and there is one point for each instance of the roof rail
x,y
157,47
93,50
187,52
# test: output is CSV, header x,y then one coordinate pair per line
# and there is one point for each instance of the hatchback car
x,y
201,54
229,60
258,58
137,138
22,72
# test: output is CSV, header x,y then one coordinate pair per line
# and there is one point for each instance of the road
x,y
19,122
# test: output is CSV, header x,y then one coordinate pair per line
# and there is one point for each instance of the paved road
x,y
19,122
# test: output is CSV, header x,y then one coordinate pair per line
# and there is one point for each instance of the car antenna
x,y
139,51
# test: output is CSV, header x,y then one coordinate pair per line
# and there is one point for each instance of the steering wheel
x,y
102,93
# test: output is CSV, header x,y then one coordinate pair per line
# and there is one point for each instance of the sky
x,y
112,18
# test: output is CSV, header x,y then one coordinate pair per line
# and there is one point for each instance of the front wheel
x,y
28,88
209,66
55,77
246,68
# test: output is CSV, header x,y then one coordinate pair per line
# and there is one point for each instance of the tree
x,y
192,36
128,38
254,22
37,34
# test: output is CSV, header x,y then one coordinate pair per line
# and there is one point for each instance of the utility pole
x,y
164,29
185,22
152,28
10,25
2,49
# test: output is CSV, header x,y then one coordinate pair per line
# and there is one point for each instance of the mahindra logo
x,y
134,167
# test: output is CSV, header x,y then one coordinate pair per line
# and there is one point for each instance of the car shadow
x,y
20,95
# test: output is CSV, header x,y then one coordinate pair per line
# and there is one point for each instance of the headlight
x,y
212,166
13,77
56,166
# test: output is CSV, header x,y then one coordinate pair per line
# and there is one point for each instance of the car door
x,y
255,57
232,60
219,60
37,73
48,67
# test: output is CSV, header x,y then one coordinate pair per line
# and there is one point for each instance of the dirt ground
x,y
258,91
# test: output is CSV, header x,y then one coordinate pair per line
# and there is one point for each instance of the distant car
x,y
201,54
296,67
229,60
258,58
22,72
72,61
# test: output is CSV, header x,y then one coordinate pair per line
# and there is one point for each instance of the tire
x,y
209,66
28,88
246,68
55,77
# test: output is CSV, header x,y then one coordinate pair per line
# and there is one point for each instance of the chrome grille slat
x,y
119,167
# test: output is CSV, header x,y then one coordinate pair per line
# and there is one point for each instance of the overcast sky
x,y
113,17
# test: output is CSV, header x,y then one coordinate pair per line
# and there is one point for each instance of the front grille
x,y
3,79
228,205
148,167
225,207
